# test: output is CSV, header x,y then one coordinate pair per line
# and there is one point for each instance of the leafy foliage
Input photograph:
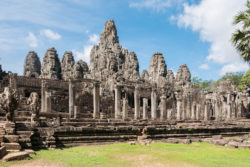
x,y
241,37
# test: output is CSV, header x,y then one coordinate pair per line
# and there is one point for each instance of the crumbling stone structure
x,y
70,103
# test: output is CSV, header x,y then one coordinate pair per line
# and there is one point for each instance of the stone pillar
x,y
71,98
96,100
13,80
76,110
153,104
169,114
163,108
117,102
137,103
206,108
178,112
125,108
47,101
198,110
193,111
183,111
229,109
44,88
145,108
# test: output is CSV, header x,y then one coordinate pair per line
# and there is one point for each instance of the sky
x,y
192,32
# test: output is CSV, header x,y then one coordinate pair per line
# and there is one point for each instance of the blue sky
x,y
192,32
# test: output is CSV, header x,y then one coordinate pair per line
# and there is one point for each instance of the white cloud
x,y
85,53
94,38
155,5
204,66
213,20
32,40
234,67
50,34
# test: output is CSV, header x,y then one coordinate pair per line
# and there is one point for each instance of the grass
x,y
123,155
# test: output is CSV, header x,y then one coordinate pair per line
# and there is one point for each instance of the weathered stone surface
x,y
183,74
12,146
145,75
67,65
16,156
80,69
3,151
11,138
51,66
158,70
110,60
32,65
170,77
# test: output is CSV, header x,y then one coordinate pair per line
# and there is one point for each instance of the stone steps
x,y
11,146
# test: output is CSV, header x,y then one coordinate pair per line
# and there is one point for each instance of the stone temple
x,y
67,102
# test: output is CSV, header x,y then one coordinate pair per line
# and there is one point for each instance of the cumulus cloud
x,y
204,66
213,20
234,67
94,38
85,53
32,40
51,34
155,5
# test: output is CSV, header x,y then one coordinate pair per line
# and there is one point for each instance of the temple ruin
x,y
66,103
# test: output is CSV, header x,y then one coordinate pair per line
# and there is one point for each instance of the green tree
x,y
245,81
201,83
241,37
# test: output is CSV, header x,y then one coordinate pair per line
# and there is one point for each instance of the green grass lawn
x,y
123,154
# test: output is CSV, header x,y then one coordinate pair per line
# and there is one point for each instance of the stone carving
x,y
145,75
9,101
183,74
35,107
158,70
67,65
131,67
80,69
51,66
110,60
32,65
170,77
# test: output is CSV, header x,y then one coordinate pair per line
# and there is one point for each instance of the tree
x,y
201,83
241,37
245,81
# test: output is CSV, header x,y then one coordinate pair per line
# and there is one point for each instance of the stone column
x,y
198,110
178,112
153,104
137,103
193,111
145,108
96,100
44,88
125,108
13,80
117,102
163,108
229,110
169,114
71,98
206,107
47,101
76,110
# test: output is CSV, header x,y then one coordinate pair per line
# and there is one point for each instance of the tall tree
x,y
241,37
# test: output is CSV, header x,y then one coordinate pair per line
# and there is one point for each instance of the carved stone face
x,y
161,68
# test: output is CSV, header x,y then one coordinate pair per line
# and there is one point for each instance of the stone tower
x,y
51,67
158,69
67,65
32,65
